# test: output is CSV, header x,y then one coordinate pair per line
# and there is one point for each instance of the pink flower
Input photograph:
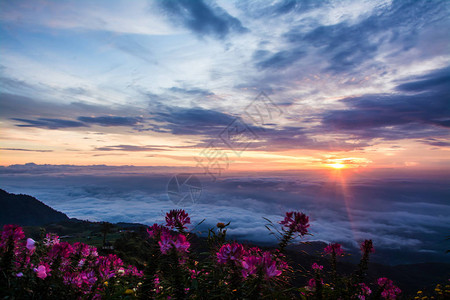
x,y
42,271
296,222
364,291
51,239
20,274
230,253
390,291
13,233
165,243
177,218
250,265
316,266
367,247
179,242
273,266
335,249
312,283
156,230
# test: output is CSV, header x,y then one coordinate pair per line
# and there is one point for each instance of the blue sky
x,y
154,82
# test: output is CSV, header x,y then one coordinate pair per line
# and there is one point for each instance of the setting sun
x,y
337,166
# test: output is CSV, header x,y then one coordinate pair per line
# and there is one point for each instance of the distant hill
x,y
25,210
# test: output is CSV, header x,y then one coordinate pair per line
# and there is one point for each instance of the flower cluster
x,y
177,218
229,269
296,222
365,291
390,291
252,261
230,253
177,242
78,265
334,249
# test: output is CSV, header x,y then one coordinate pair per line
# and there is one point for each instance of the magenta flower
x,y
250,265
316,266
31,244
230,253
390,291
273,266
365,291
179,242
165,243
177,218
51,239
42,271
296,222
335,249
13,233
312,283
367,247
156,230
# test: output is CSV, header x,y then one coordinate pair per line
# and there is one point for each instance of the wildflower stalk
x,y
286,238
177,277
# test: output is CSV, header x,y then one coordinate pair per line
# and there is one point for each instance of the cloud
x,y
192,121
202,19
49,123
279,60
397,115
377,206
26,150
191,91
437,79
131,148
111,120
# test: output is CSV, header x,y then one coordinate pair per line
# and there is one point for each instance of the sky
x,y
226,85
340,109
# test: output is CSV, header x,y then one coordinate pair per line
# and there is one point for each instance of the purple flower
x,y
334,248
296,222
177,218
31,244
230,252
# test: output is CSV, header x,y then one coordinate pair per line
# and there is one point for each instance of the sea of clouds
x,y
405,215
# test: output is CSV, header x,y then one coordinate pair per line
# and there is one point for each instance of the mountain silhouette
x,y
25,210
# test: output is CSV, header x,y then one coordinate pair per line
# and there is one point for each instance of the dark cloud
x,y
195,121
202,18
268,9
191,91
425,113
111,120
27,150
279,60
437,79
49,123
130,148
